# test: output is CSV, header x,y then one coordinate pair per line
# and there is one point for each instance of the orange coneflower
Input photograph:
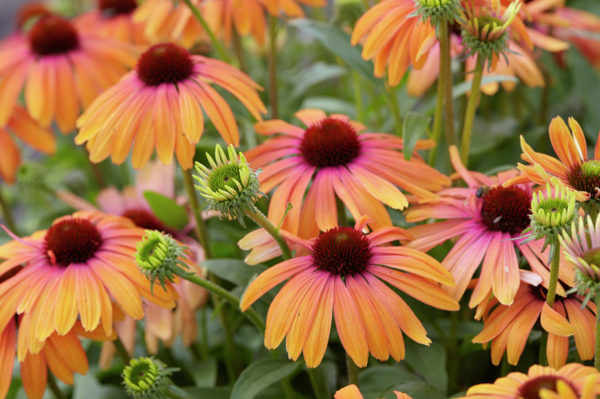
x,y
571,381
63,355
113,19
75,270
166,20
352,392
487,221
29,131
161,324
508,327
345,273
55,58
361,169
395,36
160,105
573,167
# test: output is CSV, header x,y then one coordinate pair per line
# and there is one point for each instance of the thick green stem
x,y
97,172
213,39
315,384
597,348
554,267
255,214
352,371
54,387
7,214
341,213
441,91
201,232
121,350
358,102
470,111
273,66
395,108
446,71
251,314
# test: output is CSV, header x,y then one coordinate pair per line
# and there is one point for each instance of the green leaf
x,y
212,393
314,74
233,270
167,210
87,387
429,362
261,374
414,127
337,42
205,373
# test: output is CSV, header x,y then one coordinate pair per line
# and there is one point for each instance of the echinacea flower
x,y
166,20
395,37
63,355
160,105
352,392
344,273
161,324
75,271
509,327
113,19
337,159
21,125
582,31
55,58
573,380
487,220
573,167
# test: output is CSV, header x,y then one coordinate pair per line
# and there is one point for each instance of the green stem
x,y
597,350
358,102
213,39
273,66
201,232
54,387
315,384
352,371
121,350
366,4
239,50
395,107
251,314
97,172
341,213
470,112
8,218
255,214
554,267
446,71
441,91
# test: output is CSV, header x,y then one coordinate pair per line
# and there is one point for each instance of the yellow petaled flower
x,y
485,26
571,381
352,392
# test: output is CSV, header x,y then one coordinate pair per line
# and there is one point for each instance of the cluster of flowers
x,y
128,80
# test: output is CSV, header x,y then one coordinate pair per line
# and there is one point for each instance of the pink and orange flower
x,y
345,273
160,105
55,58
332,158
487,220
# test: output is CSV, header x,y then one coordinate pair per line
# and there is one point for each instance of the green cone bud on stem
x,y
148,378
436,11
230,186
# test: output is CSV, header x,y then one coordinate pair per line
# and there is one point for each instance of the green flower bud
x,y
230,186
160,258
148,378
436,11
552,211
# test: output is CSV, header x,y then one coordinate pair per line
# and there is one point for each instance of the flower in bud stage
x,y
552,211
148,378
230,186
436,11
485,27
582,248
160,258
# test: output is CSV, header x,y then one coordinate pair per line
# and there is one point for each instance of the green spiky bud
x,y
485,28
552,210
229,186
148,378
160,258
436,11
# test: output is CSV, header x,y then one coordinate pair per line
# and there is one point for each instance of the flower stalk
x,y
472,104
273,66
213,39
